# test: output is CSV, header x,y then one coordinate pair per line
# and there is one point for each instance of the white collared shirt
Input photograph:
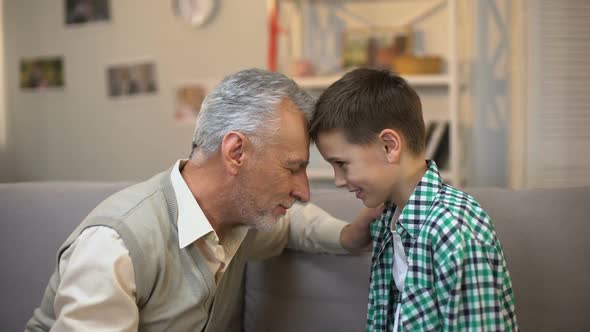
x,y
195,229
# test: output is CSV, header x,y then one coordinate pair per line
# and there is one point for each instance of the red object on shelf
x,y
273,32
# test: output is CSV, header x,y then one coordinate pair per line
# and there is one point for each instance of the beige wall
x,y
4,160
78,132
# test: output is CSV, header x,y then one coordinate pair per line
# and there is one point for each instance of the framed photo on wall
x,y
42,72
86,11
131,79
189,98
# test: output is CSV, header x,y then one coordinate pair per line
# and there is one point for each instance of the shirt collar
x,y
192,223
418,206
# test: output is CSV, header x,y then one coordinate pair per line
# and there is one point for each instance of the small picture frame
x,y
189,98
375,47
40,73
86,11
131,79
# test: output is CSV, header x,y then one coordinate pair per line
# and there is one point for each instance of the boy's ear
x,y
391,141
233,147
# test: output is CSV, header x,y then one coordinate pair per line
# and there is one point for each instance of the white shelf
x,y
446,84
322,82
364,0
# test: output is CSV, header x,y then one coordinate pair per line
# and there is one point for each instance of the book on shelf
x,y
437,142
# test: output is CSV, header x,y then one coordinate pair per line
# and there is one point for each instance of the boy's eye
x,y
339,163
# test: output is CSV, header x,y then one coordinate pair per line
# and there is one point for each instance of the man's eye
x,y
339,163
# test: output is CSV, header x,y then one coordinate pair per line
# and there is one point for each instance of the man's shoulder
x,y
132,200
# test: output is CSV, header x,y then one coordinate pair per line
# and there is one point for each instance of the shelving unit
x,y
448,81
328,174
322,82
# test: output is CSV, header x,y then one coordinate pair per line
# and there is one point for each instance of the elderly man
x,y
168,254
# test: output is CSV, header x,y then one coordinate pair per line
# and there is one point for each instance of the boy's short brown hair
x,y
364,102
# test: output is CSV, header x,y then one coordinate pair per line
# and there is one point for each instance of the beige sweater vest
x,y
175,289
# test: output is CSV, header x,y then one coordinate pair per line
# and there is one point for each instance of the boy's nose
x,y
339,180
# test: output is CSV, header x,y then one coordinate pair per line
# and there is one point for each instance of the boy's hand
x,y
355,237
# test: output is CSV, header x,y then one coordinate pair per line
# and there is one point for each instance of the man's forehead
x,y
292,150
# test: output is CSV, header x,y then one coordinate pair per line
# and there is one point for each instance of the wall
x,y
556,143
4,160
78,132
492,92
518,77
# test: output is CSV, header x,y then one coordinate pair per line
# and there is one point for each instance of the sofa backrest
x,y
310,292
543,233
35,218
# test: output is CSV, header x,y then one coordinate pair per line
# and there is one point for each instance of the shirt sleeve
x,y
471,291
305,227
97,290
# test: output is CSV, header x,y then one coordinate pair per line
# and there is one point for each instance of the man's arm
x,y
97,288
356,237
311,229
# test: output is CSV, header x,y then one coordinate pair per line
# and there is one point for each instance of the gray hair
x,y
247,102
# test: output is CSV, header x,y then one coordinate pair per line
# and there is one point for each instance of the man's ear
x,y
233,146
391,141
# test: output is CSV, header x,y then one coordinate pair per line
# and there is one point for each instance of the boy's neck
x,y
412,172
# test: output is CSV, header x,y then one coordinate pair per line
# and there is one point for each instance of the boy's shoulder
x,y
457,201
457,214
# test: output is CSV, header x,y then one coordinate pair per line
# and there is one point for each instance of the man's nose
x,y
301,191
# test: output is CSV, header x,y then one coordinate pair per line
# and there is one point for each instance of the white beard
x,y
249,213
264,223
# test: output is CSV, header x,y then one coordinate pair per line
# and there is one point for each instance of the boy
x,y
437,263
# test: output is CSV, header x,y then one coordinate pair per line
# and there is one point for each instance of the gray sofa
x,y
544,234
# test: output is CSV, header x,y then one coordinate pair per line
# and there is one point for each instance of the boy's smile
x,y
361,169
358,193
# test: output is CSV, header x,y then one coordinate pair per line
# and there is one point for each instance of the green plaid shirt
x,y
457,277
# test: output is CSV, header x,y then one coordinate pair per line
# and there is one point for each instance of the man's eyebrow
x,y
298,163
